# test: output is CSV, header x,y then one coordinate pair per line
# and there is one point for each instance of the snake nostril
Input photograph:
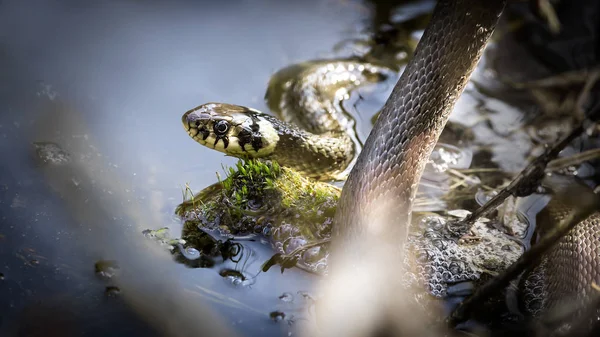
x,y
188,120
192,120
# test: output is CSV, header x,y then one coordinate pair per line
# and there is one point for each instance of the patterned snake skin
x,y
384,180
376,202
370,228
565,275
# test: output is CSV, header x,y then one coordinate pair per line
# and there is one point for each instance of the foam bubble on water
x,y
277,316
441,259
286,297
236,278
443,158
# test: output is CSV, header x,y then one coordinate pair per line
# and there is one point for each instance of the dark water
x,y
128,70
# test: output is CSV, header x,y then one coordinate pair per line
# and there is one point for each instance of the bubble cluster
x,y
533,298
443,158
441,259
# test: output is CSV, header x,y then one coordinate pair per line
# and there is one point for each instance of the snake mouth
x,y
192,121
184,120
196,125
190,124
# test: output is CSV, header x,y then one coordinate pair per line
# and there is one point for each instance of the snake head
x,y
231,129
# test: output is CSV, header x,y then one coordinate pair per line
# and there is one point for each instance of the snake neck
x,y
321,157
311,95
379,193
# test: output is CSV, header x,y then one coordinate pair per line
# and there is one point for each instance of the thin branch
x,y
528,180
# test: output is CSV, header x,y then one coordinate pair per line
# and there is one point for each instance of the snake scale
x,y
563,280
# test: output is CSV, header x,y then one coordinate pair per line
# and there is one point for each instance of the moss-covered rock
x,y
264,198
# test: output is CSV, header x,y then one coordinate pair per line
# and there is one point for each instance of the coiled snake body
x,y
319,141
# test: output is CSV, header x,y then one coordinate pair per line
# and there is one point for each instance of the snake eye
x,y
221,127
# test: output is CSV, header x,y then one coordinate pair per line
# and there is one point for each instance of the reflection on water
x,y
131,68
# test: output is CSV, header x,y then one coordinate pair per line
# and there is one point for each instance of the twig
x,y
463,176
479,170
574,77
290,260
576,159
528,180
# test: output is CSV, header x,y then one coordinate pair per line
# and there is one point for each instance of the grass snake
x,y
319,141
376,200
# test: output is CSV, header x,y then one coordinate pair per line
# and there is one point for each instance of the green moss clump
x,y
262,197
